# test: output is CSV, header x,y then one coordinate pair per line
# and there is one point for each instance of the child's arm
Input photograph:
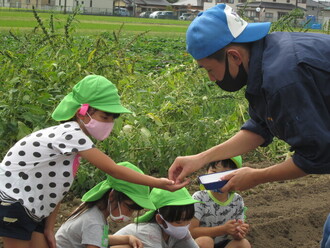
x,y
230,227
49,227
125,241
106,164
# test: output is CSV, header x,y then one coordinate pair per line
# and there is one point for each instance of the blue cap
x,y
219,26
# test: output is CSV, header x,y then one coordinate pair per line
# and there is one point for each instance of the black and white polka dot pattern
x,y
37,170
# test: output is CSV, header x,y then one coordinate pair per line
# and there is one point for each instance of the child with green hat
x,y
168,225
220,215
87,226
39,169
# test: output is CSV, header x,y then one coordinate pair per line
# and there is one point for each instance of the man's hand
x,y
184,166
240,179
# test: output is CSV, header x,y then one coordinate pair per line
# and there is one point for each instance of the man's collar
x,y
255,67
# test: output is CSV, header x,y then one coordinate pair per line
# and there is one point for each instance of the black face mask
x,y
228,83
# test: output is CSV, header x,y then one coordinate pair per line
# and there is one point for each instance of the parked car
x,y
145,14
167,15
121,11
154,14
185,16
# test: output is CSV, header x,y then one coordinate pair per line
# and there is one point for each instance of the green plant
x,y
290,22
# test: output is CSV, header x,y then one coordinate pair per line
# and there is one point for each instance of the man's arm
x,y
242,142
246,178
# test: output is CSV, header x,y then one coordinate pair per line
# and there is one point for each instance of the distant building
x,y
326,18
268,11
259,11
315,8
188,6
138,6
27,4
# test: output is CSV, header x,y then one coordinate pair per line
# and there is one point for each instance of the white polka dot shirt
x,y
37,170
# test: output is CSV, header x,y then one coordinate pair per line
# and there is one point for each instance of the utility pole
x,y
64,7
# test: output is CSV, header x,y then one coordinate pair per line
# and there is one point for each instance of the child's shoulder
x,y
93,216
200,195
237,196
144,227
68,130
59,128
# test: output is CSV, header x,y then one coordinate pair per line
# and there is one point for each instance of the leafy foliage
x,y
176,110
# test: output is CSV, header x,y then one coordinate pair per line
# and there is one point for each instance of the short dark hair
x,y
218,55
221,54
227,163
176,213
92,110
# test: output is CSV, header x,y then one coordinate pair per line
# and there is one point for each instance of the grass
x,y
88,24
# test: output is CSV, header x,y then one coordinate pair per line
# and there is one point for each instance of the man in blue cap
x,y
287,78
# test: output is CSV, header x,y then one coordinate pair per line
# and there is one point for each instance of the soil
x,y
288,214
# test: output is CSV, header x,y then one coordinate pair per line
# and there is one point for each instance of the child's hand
x,y
134,242
50,238
230,227
169,185
242,230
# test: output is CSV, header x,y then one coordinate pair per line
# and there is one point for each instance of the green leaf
x,y
91,55
23,130
156,119
145,132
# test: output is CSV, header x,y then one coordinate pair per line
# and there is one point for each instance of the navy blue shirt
x,y
288,90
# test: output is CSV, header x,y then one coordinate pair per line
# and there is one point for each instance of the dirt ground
x,y
286,214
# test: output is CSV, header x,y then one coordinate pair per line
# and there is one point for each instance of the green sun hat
x,y
140,194
162,198
97,91
238,161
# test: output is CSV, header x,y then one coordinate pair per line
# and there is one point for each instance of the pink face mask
x,y
98,129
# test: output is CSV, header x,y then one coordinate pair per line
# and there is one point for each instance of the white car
x,y
185,16
154,14
121,12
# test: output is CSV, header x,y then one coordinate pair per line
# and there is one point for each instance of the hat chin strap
x,y
83,109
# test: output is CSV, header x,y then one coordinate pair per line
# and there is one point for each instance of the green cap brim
x,y
97,91
172,202
238,161
68,107
97,191
141,201
140,194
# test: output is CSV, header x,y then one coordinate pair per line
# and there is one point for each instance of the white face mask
x,y
98,129
178,232
121,217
